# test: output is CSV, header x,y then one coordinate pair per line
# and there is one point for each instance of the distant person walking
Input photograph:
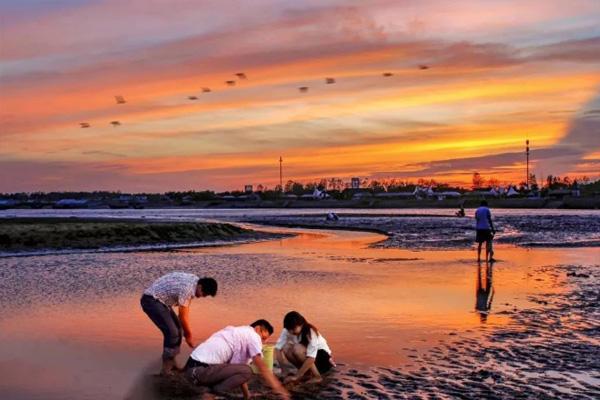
x,y
174,289
485,231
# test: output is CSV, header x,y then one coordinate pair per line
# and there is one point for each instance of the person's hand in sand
x,y
269,378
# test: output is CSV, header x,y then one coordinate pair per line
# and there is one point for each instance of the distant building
x,y
559,193
395,195
355,183
447,195
71,203
362,195
248,189
6,204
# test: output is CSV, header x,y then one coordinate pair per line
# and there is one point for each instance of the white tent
x,y
448,194
430,192
493,192
512,192
318,194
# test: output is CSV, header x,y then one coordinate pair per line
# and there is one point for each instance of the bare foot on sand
x,y
315,380
174,370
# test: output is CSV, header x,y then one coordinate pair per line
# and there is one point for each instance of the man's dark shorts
x,y
483,235
167,321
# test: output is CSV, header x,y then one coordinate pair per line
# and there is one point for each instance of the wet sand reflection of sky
x,y
390,301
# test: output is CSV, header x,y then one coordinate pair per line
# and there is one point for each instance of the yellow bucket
x,y
268,351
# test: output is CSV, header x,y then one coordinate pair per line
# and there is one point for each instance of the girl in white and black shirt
x,y
301,345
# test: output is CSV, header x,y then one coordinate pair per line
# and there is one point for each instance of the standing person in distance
x,y
485,231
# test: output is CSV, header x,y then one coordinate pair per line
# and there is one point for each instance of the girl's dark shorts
x,y
322,361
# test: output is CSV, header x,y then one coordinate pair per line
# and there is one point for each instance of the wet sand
x,y
402,323
443,230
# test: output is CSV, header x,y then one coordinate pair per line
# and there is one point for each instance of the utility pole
x,y
527,154
281,174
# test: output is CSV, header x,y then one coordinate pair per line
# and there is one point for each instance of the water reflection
x,y
484,295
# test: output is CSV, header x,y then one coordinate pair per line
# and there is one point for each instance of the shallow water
x,y
71,325
407,228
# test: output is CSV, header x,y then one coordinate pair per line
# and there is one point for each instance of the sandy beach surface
x,y
403,320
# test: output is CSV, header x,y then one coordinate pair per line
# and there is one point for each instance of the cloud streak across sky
x,y
500,72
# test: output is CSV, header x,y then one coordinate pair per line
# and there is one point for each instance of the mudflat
x,y
404,320
23,234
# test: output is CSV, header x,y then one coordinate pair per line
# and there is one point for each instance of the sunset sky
x,y
500,72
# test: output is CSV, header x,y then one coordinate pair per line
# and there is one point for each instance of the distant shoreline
x,y
573,203
580,203
59,234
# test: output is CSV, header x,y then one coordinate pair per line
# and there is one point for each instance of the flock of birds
x,y
241,76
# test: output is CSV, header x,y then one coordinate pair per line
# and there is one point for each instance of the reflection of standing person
x,y
484,293
174,289
485,231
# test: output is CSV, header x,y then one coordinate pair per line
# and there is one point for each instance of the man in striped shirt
x,y
174,289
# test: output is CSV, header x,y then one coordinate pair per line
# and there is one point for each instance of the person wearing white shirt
x,y
302,346
221,362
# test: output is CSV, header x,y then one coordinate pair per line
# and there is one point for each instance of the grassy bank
x,y
22,234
